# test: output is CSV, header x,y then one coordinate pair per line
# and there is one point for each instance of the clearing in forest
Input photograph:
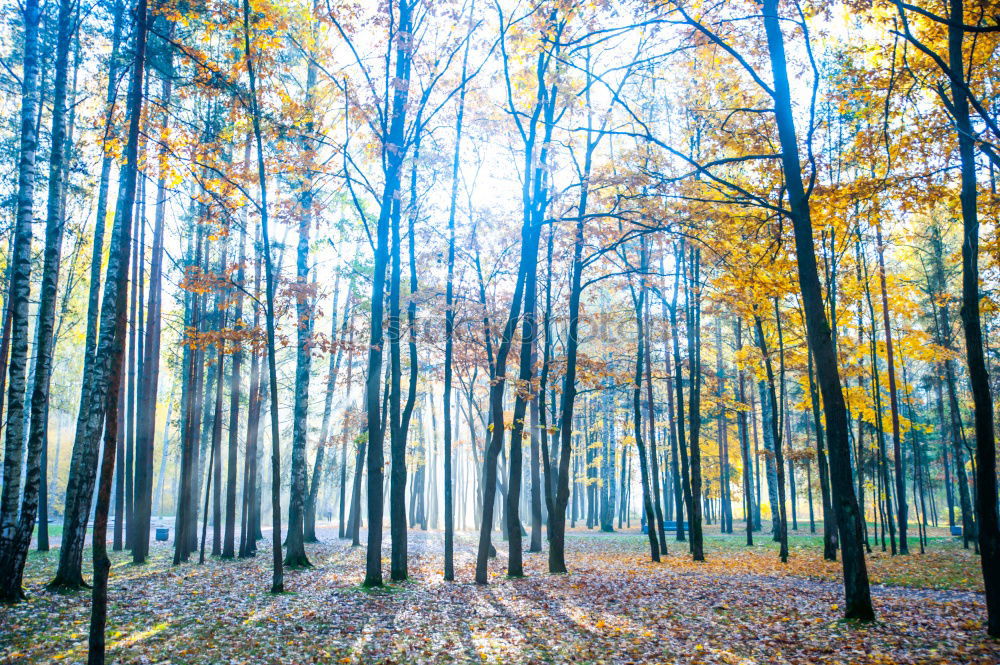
x,y
615,607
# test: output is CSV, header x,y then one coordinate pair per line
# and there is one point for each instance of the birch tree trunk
x,y
16,528
109,355
83,462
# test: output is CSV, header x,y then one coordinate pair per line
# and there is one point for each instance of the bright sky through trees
x,y
503,331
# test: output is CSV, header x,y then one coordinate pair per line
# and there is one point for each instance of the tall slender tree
x,y
856,587
278,578
988,526
16,526
149,378
392,144
109,354
83,464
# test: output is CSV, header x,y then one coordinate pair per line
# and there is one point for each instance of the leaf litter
x,y
615,607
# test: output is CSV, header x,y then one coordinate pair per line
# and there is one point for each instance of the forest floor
x,y
742,606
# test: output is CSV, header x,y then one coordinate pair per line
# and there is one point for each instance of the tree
x,y
449,326
149,378
109,354
856,589
959,104
392,144
986,484
16,526
647,498
83,465
692,302
278,580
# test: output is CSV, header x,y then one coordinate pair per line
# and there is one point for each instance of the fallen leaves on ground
x,y
615,607
945,565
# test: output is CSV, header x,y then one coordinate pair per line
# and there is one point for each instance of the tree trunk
x,y
134,338
741,427
449,329
897,453
248,540
214,469
399,415
610,453
190,411
654,468
557,517
725,510
682,448
829,516
345,438
15,529
885,494
235,391
549,482
648,510
277,581
345,433
68,291
108,357
986,482
149,379
83,462
522,393
771,425
213,460
856,588
390,193
5,332
534,199
19,291
295,556
693,304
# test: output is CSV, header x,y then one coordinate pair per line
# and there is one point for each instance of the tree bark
x,y
988,524
654,468
19,288
248,532
295,555
149,378
692,298
897,453
393,148
449,328
83,463
682,448
884,495
829,516
858,603
741,427
109,355
15,529
277,580
522,393
647,499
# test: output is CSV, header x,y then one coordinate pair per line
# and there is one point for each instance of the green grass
x,y
945,565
